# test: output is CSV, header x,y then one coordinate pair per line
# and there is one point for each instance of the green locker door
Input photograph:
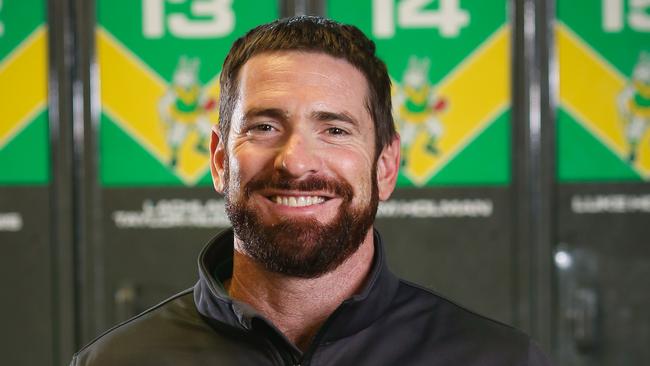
x,y
27,260
448,224
158,67
603,151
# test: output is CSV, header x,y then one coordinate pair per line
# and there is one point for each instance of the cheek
x,y
246,163
356,170
232,173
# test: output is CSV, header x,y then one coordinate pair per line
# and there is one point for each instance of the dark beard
x,y
302,248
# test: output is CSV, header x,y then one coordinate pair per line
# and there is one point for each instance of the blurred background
x,y
523,193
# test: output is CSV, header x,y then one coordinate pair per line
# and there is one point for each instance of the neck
x,y
299,306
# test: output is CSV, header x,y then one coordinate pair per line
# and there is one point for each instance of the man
x,y
305,149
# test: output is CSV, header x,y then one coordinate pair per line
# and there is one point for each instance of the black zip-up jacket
x,y
391,322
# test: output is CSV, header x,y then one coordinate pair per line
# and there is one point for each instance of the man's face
x,y
298,170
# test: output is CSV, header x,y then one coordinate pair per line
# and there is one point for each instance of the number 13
x,y
222,20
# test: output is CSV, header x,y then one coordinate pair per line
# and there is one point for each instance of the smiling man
x,y
305,150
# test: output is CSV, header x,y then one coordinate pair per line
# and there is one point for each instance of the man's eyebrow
x,y
325,116
274,113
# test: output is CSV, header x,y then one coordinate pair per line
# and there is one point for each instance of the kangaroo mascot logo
x,y
184,108
634,105
417,108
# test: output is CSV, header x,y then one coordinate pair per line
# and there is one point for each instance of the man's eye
x,y
336,131
263,127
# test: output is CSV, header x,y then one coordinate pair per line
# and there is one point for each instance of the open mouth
x,y
298,201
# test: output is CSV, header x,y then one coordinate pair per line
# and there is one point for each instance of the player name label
x,y
173,213
610,203
436,208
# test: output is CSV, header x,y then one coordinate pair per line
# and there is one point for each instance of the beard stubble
x,y
303,248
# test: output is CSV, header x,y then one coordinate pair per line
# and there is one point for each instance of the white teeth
x,y
299,201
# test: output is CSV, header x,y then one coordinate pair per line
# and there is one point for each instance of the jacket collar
x,y
353,315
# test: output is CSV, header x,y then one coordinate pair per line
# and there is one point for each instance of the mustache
x,y
313,183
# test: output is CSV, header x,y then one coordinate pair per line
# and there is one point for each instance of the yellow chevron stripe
x,y
23,81
130,93
478,90
589,88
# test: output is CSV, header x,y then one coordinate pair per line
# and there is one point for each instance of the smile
x,y
298,201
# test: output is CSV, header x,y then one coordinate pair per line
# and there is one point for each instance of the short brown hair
x,y
313,34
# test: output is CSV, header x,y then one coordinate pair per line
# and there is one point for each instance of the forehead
x,y
303,79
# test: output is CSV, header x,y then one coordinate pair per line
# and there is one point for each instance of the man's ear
x,y
388,165
217,156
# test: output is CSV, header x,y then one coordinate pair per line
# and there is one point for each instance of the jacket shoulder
x,y
465,334
168,325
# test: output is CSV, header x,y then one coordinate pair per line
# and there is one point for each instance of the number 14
x,y
449,17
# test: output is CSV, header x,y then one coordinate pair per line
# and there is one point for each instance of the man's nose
x,y
298,156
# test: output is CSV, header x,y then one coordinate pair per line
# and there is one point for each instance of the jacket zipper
x,y
286,358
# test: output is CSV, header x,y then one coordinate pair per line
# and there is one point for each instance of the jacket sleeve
x,y
536,357
74,360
